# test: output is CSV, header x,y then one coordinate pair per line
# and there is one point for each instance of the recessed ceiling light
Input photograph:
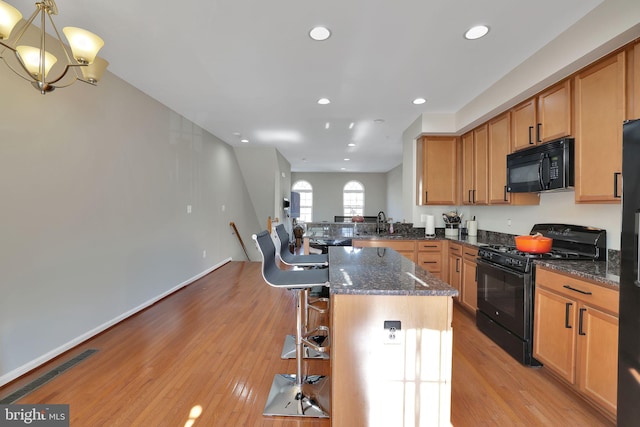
x,y
476,32
351,144
319,33
244,140
237,133
378,121
347,159
327,125
351,125
419,101
324,101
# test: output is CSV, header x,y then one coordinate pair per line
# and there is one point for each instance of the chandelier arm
x,y
62,45
64,73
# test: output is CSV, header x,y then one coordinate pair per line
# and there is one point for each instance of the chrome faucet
x,y
380,222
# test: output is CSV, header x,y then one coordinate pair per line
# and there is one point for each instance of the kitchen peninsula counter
x,y
391,340
380,271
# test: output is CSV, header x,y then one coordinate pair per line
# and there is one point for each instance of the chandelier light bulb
x,y
9,17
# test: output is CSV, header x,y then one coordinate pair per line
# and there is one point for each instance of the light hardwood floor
x,y
215,345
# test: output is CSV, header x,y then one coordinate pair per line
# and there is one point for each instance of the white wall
x,y
327,192
268,177
95,183
394,194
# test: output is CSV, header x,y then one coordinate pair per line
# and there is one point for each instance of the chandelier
x,y
34,63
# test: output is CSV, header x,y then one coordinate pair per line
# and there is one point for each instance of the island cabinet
x,y
437,170
499,147
600,112
543,118
576,335
475,167
406,248
430,257
380,376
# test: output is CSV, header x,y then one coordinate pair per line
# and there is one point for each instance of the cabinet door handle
x,y
426,196
469,196
505,194
530,134
581,321
457,265
615,185
474,196
567,306
578,290
538,126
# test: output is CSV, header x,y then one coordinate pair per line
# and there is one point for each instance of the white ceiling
x,y
248,69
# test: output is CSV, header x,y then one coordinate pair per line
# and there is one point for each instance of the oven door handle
x,y
519,275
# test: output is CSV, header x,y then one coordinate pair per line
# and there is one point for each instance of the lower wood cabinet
x,y
576,335
469,279
455,267
430,256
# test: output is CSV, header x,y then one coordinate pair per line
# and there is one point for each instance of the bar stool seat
x,y
319,305
295,394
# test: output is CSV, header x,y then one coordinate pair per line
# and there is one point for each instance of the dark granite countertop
x,y
601,272
380,271
596,271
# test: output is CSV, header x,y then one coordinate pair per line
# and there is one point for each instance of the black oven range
x,y
506,280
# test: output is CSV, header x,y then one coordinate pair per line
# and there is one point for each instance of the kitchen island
x,y
391,339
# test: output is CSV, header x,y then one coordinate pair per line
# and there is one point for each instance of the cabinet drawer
x,y
455,249
470,254
431,262
590,293
430,246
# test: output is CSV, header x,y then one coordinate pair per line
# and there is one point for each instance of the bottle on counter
x,y
391,228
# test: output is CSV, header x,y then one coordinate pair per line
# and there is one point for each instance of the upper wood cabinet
x,y
475,151
633,83
524,125
437,172
600,111
543,118
499,146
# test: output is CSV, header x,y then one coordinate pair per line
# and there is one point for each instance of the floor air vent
x,y
38,382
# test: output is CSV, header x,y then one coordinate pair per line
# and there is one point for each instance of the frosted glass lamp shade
x,y
9,17
30,57
93,72
84,44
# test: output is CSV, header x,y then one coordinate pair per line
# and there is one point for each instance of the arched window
x,y
306,199
353,198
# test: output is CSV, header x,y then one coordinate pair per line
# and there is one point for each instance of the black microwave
x,y
545,167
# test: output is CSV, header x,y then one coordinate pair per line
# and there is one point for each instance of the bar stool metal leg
x,y
318,335
299,395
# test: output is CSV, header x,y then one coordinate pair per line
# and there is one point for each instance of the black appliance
x,y
506,283
629,321
545,167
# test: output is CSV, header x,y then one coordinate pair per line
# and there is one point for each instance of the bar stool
x,y
318,304
295,395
